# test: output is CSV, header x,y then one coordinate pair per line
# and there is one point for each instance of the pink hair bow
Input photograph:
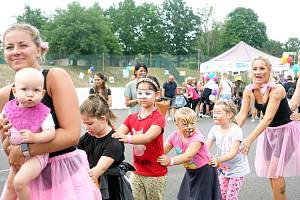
x,y
45,45
264,87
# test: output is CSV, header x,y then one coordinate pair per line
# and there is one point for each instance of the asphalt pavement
x,y
254,188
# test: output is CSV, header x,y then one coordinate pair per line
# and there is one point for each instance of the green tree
x,y
181,26
273,47
35,17
124,24
242,25
293,44
80,31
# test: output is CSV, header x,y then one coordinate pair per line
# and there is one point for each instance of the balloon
x,y
128,68
285,54
89,72
211,75
296,68
215,78
283,59
289,60
92,68
214,92
206,77
132,68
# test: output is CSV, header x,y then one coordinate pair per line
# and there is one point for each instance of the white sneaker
x,y
252,120
206,116
169,119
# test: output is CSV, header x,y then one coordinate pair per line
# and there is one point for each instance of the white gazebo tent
x,y
238,59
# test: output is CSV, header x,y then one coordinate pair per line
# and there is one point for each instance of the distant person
x,y
169,92
100,88
200,180
225,89
131,101
289,87
192,93
205,101
144,130
233,166
32,123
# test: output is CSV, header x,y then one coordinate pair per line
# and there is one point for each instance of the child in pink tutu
x,y
31,123
65,175
277,150
233,166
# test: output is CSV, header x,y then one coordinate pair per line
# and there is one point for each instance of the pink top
x,y
202,156
192,91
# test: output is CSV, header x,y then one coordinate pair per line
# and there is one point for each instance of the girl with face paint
x,y
233,166
144,129
191,150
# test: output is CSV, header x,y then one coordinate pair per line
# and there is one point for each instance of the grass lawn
x,y
6,75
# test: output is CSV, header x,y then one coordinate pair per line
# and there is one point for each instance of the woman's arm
x,y
4,95
62,91
243,114
130,102
295,100
109,100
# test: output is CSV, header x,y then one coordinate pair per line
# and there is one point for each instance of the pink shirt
x,y
192,91
202,156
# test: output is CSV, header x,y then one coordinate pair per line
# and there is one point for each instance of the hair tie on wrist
x,y
129,139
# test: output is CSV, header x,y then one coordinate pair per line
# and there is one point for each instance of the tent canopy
x,y
238,58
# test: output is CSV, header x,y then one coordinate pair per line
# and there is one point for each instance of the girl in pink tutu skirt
x,y
278,137
65,175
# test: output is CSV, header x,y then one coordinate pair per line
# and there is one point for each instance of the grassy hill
x,y
6,75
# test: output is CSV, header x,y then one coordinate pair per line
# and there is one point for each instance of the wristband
x,y
171,162
25,149
129,139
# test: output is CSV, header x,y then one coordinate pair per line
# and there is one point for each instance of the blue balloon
x,y
296,68
211,75
92,68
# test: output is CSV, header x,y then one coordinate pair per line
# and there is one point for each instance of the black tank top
x,y
282,116
47,100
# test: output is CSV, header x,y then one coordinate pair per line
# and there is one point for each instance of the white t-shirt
x,y
238,166
226,87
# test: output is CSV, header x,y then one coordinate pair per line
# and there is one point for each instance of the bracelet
x,y
171,162
129,139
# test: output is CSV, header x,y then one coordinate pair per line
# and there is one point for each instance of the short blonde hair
x,y
185,114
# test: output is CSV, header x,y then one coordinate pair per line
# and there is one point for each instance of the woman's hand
x,y
163,160
15,157
295,116
246,145
4,127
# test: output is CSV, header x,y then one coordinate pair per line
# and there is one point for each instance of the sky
x,y
280,17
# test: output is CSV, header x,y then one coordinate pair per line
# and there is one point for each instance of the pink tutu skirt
x,y
65,177
278,151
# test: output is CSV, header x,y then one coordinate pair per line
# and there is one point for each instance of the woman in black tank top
x,y
278,140
65,176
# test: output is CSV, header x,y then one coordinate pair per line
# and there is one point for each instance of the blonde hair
x,y
34,33
96,106
229,107
266,60
185,114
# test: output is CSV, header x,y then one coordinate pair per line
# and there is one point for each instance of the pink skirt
x,y
278,151
65,178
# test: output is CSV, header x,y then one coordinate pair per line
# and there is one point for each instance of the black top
x,y
170,89
282,115
105,146
92,91
47,100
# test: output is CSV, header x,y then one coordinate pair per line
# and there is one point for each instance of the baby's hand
x,y
28,136
163,160
120,136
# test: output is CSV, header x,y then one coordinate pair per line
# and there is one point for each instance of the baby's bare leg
x,y
9,190
29,171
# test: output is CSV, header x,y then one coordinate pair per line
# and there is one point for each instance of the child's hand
x,y
28,136
295,116
94,174
163,160
213,161
121,137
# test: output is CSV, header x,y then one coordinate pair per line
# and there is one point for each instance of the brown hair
x,y
34,33
96,106
105,92
228,107
152,82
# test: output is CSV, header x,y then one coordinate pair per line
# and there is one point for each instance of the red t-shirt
x,y
145,156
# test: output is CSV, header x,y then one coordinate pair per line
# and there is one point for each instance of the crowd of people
x,y
40,132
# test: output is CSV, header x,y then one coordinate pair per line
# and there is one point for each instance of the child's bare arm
x,y
167,147
209,142
229,156
42,137
188,155
103,164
